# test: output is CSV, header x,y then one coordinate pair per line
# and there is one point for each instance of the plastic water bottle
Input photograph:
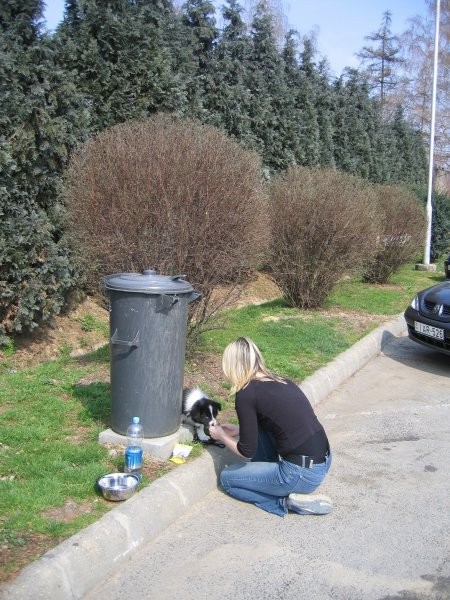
x,y
134,450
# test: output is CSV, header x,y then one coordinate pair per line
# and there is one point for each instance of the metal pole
x,y
426,256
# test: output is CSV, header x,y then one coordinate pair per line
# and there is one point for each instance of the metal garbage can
x,y
148,324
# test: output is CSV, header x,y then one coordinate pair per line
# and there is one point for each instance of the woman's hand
x,y
217,432
226,434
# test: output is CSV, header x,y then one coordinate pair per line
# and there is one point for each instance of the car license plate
x,y
429,330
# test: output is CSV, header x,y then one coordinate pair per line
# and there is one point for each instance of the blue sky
x,y
341,25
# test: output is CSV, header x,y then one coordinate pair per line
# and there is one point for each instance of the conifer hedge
x,y
40,120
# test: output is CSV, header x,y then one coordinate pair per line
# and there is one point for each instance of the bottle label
x,y
133,459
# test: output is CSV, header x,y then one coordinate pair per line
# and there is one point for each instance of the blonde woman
x,y
278,431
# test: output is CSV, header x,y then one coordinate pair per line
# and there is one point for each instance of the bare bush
x,y
402,232
323,226
173,195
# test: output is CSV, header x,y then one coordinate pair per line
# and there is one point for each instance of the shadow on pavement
x,y
221,457
416,356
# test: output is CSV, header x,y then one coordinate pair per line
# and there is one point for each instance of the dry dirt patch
x,y
64,333
69,511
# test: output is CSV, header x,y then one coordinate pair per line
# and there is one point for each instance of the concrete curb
x,y
78,564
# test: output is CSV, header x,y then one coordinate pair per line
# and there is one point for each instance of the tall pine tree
x,y
354,123
200,23
381,58
325,107
229,98
310,129
408,162
269,109
294,85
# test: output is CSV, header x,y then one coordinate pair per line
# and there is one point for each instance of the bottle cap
x,y
136,420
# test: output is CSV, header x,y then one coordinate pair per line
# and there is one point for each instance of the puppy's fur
x,y
200,411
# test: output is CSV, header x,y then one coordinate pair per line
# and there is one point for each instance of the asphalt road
x,y
387,537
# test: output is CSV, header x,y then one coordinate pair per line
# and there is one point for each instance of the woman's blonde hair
x,y
241,362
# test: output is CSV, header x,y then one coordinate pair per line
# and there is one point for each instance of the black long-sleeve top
x,y
283,410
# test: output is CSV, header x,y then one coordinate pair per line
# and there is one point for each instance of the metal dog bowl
x,y
118,486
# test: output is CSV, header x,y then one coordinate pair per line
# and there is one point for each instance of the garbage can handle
x,y
133,344
194,296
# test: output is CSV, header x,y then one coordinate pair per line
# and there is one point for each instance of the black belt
x,y
302,460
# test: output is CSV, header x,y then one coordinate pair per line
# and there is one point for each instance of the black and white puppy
x,y
200,411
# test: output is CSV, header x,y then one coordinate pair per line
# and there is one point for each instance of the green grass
x,y
49,451
49,421
389,299
91,323
296,343
293,344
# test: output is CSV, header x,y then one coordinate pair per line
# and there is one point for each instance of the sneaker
x,y
307,504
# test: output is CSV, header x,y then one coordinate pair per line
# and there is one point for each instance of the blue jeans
x,y
267,480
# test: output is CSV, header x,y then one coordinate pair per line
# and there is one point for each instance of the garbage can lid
x,y
147,282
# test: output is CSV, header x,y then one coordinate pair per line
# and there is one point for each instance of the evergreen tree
x,y
294,84
325,108
269,110
380,165
341,137
354,126
40,121
229,98
310,140
123,54
311,103
199,15
381,58
199,21
407,154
